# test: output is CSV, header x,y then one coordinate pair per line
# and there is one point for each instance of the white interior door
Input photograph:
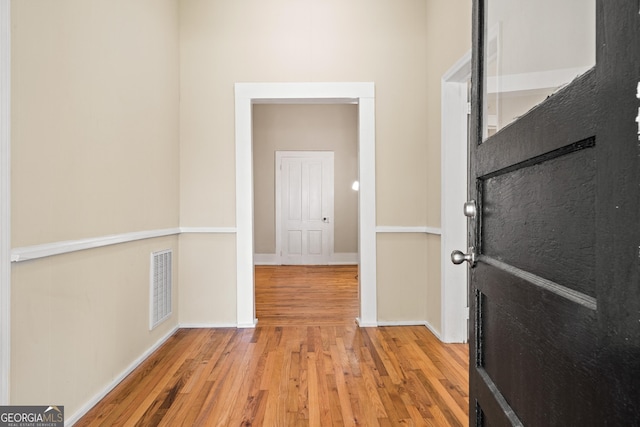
x,y
304,194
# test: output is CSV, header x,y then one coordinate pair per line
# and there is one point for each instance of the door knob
x,y
457,257
470,209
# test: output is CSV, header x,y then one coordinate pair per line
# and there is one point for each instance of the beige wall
x,y
94,152
278,127
404,296
94,108
207,290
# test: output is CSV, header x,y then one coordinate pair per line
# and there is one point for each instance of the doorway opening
x,y
305,160
455,109
360,94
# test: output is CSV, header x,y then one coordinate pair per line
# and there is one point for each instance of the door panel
x,y
293,190
315,190
294,246
306,197
315,242
555,292
530,228
537,347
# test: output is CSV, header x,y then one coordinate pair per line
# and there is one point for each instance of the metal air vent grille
x,y
160,295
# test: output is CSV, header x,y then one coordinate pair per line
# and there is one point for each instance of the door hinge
x,y
468,108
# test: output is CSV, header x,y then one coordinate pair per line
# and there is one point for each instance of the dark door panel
x,y
545,130
555,290
538,348
526,224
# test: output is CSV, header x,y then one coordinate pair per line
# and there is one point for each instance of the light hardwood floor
x,y
306,295
306,364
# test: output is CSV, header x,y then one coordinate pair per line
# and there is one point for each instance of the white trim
x,y
434,331
208,230
136,363
454,193
29,253
248,93
401,323
307,101
5,200
245,298
247,325
207,325
305,92
403,229
362,324
278,208
337,258
367,240
460,71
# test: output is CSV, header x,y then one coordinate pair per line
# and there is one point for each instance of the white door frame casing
x,y
361,93
455,312
327,158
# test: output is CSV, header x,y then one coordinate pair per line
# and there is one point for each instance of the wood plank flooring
x,y
306,364
306,295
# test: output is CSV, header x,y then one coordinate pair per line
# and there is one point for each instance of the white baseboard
x,y
401,323
433,331
247,325
338,258
208,230
98,397
207,325
366,324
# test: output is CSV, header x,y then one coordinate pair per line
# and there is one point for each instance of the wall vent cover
x,y
160,295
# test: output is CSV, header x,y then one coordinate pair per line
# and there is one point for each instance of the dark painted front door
x,y
555,292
